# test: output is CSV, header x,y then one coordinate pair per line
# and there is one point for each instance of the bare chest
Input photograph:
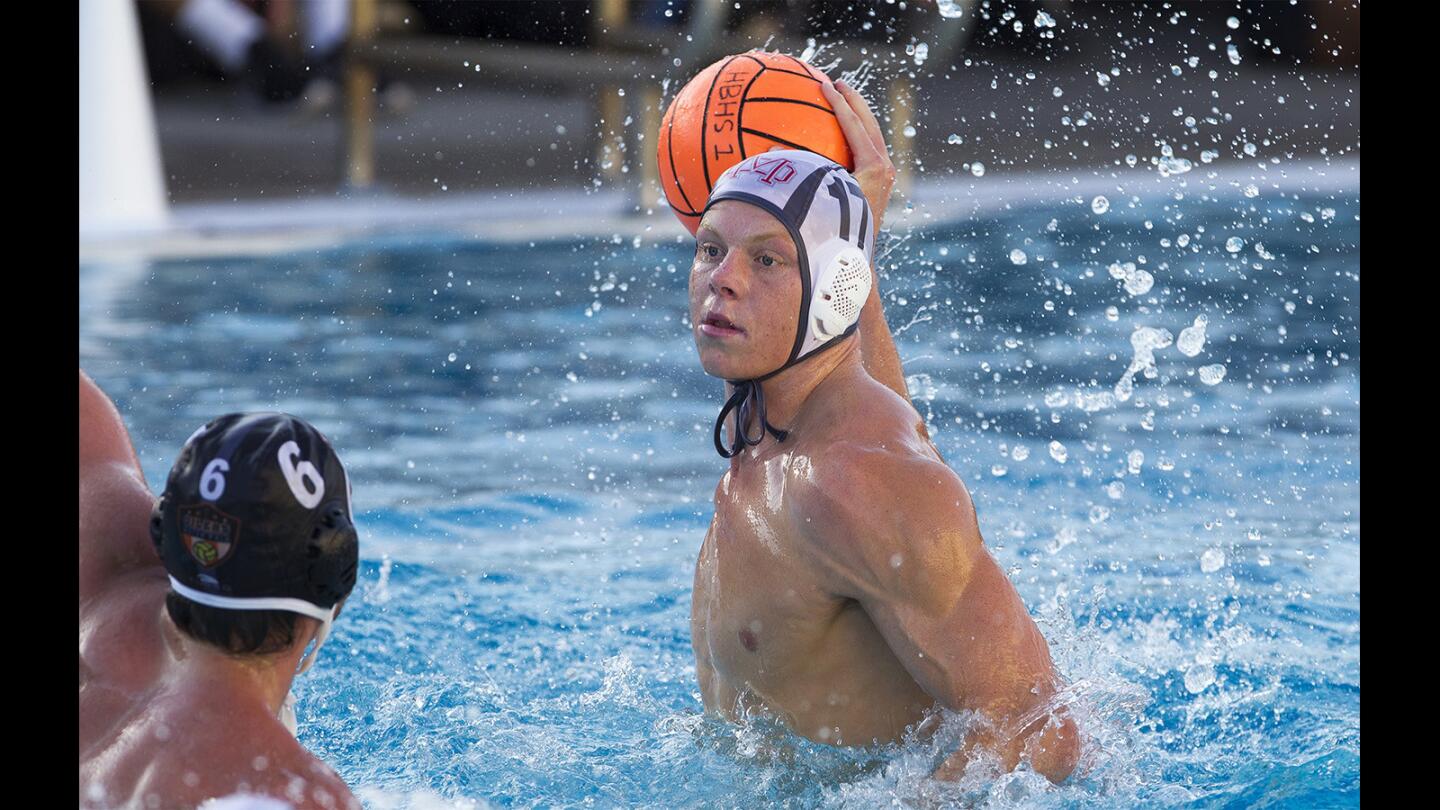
x,y
759,609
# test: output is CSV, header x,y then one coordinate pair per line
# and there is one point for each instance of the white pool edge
x,y
268,227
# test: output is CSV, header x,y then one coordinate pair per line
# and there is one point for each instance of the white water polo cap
x,y
822,207
827,216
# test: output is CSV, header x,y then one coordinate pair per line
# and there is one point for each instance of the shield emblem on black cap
x,y
208,533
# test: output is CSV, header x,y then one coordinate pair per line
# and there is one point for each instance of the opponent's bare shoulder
x,y
270,762
310,784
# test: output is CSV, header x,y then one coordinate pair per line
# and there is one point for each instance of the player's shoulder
x,y
261,759
867,491
310,784
882,476
887,519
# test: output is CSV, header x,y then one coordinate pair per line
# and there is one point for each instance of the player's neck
x,y
787,392
265,679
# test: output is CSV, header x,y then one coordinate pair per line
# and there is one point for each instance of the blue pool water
x,y
528,435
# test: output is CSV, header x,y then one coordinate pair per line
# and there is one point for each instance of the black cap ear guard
x,y
157,526
333,552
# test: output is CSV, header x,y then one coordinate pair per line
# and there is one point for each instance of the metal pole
x,y
610,111
611,17
647,142
360,100
902,102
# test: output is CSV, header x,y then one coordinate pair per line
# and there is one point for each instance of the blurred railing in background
x,y
421,97
621,67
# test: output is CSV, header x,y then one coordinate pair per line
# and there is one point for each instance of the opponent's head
x,y
782,264
255,529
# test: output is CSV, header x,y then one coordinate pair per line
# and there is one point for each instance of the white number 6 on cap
x,y
212,479
296,476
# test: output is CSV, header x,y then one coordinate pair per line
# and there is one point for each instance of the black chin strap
x,y
745,391
748,390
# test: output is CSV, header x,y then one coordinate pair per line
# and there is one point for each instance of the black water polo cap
x,y
257,507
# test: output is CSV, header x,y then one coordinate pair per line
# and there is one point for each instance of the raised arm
x,y
876,176
103,438
914,560
114,500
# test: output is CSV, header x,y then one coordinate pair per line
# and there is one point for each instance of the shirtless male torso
x,y
843,586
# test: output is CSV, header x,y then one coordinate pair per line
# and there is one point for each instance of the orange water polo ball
x,y
741,106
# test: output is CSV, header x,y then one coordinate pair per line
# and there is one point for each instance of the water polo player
x,y
196,609
843,586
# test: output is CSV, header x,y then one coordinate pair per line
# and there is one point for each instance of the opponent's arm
x,y
114,500
903,542
876,176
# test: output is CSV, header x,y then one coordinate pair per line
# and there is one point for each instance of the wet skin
x,y
166,721
843,586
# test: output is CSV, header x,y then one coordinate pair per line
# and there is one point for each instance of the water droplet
x,y
1020,452
1192,338
1058,452
1100,205
1234,244
1135,461
1169,165
977,168
1232,23
909,131
1139,282
954,139
1233,52
1018,256
1213,374
1198,678
1212,560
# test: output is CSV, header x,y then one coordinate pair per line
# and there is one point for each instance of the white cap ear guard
x,y
841,288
